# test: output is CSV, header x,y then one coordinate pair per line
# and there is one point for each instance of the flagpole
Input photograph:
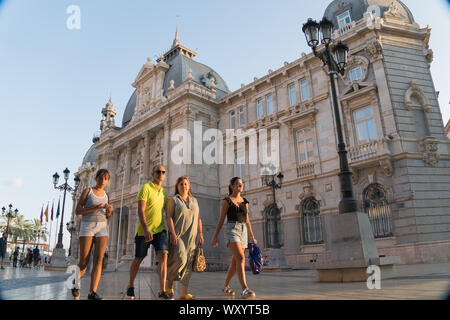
x,y
51,220
57,220
120,220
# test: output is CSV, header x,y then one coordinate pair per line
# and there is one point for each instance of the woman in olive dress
x,y
184,223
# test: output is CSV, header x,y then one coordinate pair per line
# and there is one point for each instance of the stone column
x,y
146,166
166,148
112,167
127,176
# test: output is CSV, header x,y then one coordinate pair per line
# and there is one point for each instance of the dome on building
x,y
179,59
357,8
129,110
90,156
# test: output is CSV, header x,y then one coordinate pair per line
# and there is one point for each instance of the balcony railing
x,y
364,151
305,170
344,29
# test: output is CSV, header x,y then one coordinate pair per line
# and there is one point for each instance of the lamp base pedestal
x,y
58,262
352,246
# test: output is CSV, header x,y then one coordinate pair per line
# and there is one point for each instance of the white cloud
x,y
16,183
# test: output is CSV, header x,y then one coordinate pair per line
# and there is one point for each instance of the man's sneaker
x,y
247,294
94,296
163,295
76,293
130,293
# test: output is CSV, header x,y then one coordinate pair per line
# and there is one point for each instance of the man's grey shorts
x,y
237,232
94,229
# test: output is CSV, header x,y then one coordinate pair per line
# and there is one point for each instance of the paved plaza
x,y
420,281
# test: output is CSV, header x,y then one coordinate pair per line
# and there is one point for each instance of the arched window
x,y
272,227
311,223
378,210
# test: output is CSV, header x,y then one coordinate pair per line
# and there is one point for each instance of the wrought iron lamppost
x,y
271,183
335,58
64,187
10,214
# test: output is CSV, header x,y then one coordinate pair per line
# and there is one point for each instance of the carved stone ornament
x,y
394,11
372,21
172,85
307,190
374,50
429,148
429,55
386,165
212,83
415,91
190,76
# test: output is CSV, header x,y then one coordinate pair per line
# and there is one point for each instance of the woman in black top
x,y
235,208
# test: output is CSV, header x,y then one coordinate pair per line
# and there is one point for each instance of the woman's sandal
x,y
248,294
170,293
228,291
188,297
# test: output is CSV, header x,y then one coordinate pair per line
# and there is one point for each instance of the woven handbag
x,y
199,263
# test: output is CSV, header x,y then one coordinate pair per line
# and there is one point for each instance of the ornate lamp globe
x,y
311,30
341,52
326,30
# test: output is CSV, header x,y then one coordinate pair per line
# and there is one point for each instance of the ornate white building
x,y
397,149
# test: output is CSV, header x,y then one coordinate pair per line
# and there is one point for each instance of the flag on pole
x,y
53,204
42,212
46,214
57,210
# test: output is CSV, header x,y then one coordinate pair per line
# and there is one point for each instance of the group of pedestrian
x,y
31,259
175,247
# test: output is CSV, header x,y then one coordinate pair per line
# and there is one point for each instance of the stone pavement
x,y
421,281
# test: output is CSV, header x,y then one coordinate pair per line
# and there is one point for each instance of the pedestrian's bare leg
x,y
100,248
162,270
134,268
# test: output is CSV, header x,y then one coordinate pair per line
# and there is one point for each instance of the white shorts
x,y
94,229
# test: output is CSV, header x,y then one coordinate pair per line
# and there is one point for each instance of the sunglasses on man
x,y
160,172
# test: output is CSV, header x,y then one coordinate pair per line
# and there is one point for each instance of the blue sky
x,y
55,81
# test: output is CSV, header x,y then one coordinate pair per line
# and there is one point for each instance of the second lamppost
x,y
335,58
276,211
10,214
64,187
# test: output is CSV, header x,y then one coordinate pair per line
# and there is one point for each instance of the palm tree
x,y
21,229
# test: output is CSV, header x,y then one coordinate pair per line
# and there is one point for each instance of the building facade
x,y
398,151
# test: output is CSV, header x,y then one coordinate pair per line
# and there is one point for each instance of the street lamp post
x,y
64,187
271,183
351,241
10,214
335,58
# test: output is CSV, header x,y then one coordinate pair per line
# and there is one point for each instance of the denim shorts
x,y
237,232
160,242
94,229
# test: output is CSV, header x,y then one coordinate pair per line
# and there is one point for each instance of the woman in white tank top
x,y
95,211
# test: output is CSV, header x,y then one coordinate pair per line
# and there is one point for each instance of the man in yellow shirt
x,y
152,199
